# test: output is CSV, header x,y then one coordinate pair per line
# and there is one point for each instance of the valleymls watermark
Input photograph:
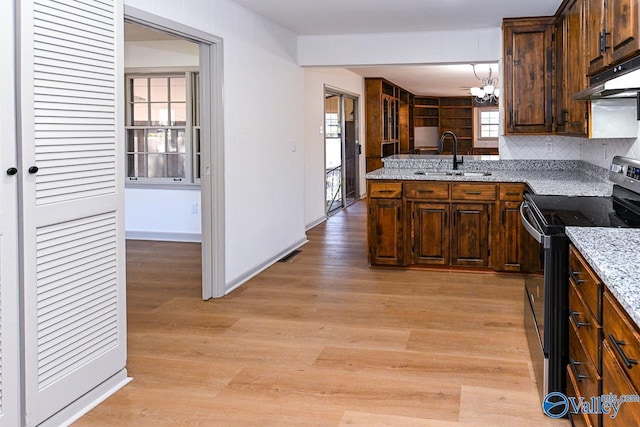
x,y
557,405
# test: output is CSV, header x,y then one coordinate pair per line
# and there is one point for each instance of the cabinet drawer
x,y
586,281
427,190
473,191
582,371
511,192
615,381
577,419
587,327
623,338
385,190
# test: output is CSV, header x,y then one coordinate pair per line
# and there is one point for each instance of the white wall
x,y
161,54
315,79
161,214
263,120
436,47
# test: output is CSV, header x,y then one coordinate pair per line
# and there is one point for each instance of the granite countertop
x,y
613,255
569,178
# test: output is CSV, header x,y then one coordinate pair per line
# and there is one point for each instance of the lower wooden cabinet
x,y
620,361
604,349
441,223
470,234
429,233
385,224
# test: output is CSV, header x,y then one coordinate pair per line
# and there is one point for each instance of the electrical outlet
x,y
549,146
194,208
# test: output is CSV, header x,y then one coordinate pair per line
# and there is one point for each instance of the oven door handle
x,y
531,229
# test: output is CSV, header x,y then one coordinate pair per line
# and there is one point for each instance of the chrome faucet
x,y
456,162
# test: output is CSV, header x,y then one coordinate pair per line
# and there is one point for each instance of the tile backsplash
x,y
598,152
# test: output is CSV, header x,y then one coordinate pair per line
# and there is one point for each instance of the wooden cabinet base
x,y
462,225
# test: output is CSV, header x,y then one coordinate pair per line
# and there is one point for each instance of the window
x,y
163,128
487,123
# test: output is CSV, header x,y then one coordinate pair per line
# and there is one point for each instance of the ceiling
x,y
313,17
433,80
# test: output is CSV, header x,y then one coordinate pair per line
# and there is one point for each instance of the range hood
x,y
622,81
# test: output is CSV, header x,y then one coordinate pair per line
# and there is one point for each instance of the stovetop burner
x,y
618,210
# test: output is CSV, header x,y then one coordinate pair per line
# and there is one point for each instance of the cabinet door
x,y
73,218
528,53
430,233
9,316
595,36
511,235
470,234
576,70
623,28
385,232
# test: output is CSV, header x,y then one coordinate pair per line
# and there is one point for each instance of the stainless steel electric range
x,y
546,295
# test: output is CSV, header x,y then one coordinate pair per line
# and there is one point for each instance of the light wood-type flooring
x,y
322,340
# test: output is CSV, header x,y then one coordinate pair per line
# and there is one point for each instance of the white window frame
x,y
191,127
477,125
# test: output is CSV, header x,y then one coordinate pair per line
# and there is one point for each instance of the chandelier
x,y
488,93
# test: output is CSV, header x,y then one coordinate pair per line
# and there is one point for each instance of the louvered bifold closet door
x,y
71,119
9,303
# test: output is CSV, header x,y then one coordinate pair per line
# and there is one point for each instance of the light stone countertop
x,y
555,182
614,256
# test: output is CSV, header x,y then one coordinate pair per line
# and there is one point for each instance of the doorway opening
x,y
342,150
207,157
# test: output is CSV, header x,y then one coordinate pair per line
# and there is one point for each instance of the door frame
x,y
332,90
212,143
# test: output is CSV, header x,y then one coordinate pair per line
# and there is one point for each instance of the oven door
x,y
534,303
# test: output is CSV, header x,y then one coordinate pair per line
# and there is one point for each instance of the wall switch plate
x,y
194,208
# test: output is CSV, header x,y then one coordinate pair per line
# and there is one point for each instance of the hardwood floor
x,y
322,340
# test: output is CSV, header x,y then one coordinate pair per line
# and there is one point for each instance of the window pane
x,y
135,140
178,114
160,114
140,114
157,166
136,164
139,90
196,99
175,166
176,141
178,89
156,142
159,89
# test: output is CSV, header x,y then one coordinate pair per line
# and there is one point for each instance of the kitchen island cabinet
x,y
385,223
445,224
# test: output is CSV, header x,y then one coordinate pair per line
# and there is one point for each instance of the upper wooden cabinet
x,y
528,75
571,70
612,32
389,121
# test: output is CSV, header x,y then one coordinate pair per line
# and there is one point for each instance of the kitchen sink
x,y
452,173
475,173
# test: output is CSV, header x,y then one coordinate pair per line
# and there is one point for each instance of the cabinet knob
x,y
12,171
33,169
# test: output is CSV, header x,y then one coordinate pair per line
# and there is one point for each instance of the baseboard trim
x,y
318,221
239,281
164,236
80,407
